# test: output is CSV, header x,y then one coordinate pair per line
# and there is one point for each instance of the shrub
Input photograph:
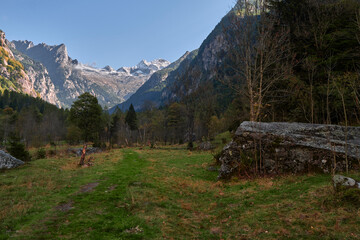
x,y
17,149
52,152
190,146
217,158
350,196
97,143
103,146
41,153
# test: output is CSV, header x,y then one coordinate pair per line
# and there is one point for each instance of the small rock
x,y
340,180
212,169
135,230
206,146
135,184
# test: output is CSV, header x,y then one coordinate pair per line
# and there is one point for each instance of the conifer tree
x,y
85,113
131,119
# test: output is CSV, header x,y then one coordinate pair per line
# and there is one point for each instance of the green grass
x,y
166,194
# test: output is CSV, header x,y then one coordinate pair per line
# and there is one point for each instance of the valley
x,y
252,133
166,193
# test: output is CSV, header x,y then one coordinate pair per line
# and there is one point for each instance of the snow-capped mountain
x,y
72,78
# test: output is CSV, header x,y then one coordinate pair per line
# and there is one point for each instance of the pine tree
x,y
131,118
85,113
17,149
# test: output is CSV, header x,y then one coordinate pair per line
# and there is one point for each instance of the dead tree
x,y
83,154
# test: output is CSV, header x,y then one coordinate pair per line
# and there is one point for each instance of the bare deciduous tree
x,y
258,46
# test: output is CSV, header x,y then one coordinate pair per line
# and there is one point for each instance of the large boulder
x,y
7,161
290,148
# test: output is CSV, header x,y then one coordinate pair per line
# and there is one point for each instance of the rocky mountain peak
x,y
2,38
125,70
23,45
143,64
108,68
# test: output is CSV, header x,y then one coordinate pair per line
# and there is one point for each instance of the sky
x,y
114,32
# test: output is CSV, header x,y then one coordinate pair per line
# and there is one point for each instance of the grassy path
x,y
92,207
166,194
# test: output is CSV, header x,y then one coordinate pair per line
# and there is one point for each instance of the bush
x,y
41,153
217,158
350,196
103,146
17,149
52,152
97,143
190,146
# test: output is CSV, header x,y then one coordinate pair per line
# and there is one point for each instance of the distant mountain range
x,y
71,78
151,90
52,75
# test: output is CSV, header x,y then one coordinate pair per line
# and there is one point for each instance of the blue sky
x,y
114,32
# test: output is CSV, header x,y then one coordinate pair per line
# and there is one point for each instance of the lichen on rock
x,y
290,148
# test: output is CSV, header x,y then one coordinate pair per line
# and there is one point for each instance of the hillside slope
x,y
177,80
12,73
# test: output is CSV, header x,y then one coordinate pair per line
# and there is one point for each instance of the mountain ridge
x,y
72,78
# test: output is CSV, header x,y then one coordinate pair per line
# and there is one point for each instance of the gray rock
x,y
212,169
206,146
340,180
291,148
7,161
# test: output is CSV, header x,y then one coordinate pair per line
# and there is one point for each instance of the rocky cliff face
x,y
290,148
38,76
12,73
71,78
203,67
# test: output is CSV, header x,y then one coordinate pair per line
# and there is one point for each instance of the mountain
x,y
166,85
71,78
151,90
204,67
12,73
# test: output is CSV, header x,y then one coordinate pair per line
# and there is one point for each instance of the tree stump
x,y
83,154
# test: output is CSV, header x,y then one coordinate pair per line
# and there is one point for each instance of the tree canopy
x,y
85,113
